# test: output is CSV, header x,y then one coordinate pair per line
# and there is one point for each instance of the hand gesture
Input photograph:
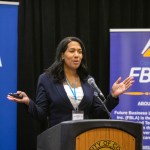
x,y
24,98
119,88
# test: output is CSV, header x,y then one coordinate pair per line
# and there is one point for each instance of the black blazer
x,y
52,102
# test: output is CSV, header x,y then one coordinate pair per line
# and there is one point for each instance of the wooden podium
x,y
92,135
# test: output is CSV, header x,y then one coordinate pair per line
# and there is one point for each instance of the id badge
x,y
77,115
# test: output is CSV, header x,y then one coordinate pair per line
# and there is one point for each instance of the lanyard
x,y
73,91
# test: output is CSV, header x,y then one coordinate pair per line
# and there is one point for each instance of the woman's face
x,y
72,56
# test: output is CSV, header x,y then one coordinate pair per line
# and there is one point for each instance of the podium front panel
x,y
105,138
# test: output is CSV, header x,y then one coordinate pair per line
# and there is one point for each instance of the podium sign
x,y
8,73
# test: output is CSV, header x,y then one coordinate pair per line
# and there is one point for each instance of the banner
x,y
130,56
8,74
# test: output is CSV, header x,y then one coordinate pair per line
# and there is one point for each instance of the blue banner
x,y
130,56
8,74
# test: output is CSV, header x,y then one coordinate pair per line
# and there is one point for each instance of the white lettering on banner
x,y
145,147
142,72
142,117
0,62
143,103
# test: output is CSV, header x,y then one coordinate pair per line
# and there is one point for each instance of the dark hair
x,y
57,68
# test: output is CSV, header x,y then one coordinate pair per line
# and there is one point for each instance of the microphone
x,y
98,93
91,81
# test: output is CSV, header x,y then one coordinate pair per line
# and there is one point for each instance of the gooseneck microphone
x,y
91,81
98,94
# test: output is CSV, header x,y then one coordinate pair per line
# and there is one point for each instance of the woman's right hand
x,y
25,99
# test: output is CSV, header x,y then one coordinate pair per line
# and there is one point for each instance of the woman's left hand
x,y
119,88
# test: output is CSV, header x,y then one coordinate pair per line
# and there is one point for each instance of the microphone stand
x,y
106,109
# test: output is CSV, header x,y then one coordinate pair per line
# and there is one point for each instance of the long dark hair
x,y
57,68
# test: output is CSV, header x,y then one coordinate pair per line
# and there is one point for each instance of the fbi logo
x,y
105,145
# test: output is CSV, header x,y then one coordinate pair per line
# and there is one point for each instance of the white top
x,y
79,94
